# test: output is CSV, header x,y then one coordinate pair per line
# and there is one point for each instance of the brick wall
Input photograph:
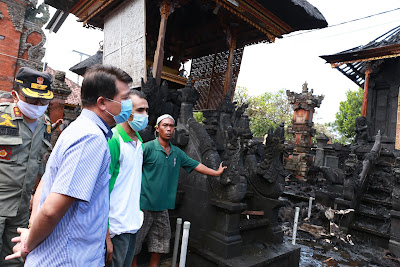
x,y
8,46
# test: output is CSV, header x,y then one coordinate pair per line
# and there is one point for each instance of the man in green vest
x,y
125,217
162,162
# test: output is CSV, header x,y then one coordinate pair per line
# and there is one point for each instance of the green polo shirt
x,y
160,175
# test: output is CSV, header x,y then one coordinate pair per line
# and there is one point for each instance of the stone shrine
x,y
301,129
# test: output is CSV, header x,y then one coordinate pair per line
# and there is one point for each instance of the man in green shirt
x,y
161,166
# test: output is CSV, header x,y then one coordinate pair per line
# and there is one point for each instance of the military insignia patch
x,y
5,152
7,121
7,125
48,128
40,80
17,112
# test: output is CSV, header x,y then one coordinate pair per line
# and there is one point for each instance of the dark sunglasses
x,y
34,101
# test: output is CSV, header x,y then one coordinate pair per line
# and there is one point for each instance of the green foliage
x,y
349,110
322,128
266,110
198,116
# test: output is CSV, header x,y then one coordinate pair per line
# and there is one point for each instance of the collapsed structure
x,y
371,170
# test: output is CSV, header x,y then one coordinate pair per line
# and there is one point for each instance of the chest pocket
x,y
9,145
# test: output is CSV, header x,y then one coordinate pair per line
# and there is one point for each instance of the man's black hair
x,y
16,87
140,94
100,81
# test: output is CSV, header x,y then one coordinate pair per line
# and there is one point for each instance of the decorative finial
x,y
305,88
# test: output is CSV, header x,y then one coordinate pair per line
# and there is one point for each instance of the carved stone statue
x,y
361,129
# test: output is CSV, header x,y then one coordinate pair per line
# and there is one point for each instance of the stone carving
x,y
361,129
352,167
268,177
39,15
161,101
59,86
228,130
35,52
34,24
17,14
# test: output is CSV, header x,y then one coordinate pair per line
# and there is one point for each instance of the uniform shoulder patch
x,y
17,112
48,125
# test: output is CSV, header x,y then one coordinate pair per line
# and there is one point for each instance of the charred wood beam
x,y
352,77
231,34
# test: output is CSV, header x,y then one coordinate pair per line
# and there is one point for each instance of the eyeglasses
x,y
34,101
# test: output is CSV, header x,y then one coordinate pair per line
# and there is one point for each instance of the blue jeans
x,y
123,250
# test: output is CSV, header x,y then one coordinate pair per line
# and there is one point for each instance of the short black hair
x,y
140,94
100,81
16,87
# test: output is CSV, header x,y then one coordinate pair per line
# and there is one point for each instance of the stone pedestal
x,y
225,239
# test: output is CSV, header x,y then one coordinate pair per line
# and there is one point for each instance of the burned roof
x,y
299,14
353,62
81,67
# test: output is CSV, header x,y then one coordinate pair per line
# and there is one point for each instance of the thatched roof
x,y
81,67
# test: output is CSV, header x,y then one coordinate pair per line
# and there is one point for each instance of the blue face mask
x,y
126,110
139,122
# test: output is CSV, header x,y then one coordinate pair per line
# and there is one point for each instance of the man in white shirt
x,y
125,217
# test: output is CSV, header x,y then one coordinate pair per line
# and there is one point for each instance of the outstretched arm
x,y
205,170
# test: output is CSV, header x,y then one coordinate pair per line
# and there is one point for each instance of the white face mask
x,y
31,111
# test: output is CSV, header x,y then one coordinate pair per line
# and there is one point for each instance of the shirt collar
x,y
123,134
99,122
159,147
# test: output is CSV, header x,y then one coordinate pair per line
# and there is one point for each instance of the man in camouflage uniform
x,y
24,138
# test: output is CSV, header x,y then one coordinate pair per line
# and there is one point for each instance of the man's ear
x,y
14,95
101,103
